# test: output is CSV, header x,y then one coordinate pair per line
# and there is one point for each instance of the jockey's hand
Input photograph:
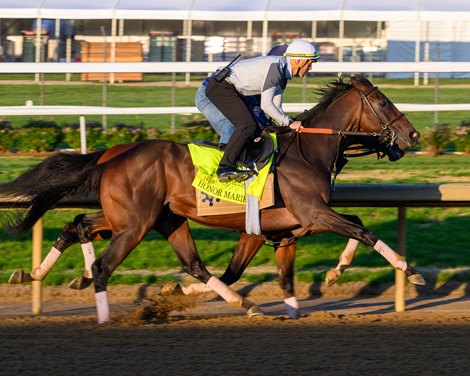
x,y
296,125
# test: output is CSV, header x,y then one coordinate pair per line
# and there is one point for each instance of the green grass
x,y
311,79
413,169
158,96
437,237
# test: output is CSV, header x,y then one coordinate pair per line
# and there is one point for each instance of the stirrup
x,y
244,175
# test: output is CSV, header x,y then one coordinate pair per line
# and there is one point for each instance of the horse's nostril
x,y
414,135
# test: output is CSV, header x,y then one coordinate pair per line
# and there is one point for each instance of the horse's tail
x,y
43,185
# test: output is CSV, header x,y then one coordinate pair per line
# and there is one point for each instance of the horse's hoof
x,y
80,283
293,313
417,279
172,288
332,276
414,276
254,312
19,276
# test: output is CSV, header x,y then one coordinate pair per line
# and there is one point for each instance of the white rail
x,y
205,67
97,110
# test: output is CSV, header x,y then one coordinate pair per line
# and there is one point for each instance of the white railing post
x,y
83,147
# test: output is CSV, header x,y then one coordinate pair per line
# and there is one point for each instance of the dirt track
x,y
338,335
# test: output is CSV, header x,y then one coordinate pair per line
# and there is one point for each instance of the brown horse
x,y
149,186
87,228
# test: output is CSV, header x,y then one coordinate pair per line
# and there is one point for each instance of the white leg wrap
x,y
102,307
89,257
390,255
348,253
231,297
292,307
46,265
196,289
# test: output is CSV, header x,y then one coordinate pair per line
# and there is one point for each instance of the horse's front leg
x,y
325,219
176,231
67,237
285,257
246,249
346,257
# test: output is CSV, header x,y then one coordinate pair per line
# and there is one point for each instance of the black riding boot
x,y
227,167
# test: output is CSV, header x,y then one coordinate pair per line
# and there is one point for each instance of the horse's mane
x,y
329,92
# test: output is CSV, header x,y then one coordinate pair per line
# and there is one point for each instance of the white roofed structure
x,y
235,10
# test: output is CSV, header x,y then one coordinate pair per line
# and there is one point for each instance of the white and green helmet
x,y
302,49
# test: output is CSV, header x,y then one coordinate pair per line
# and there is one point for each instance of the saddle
x,y
256,154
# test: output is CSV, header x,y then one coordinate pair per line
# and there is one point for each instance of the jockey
x,y
218,121
266,76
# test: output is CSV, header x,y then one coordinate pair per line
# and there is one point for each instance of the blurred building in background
x,y
202,30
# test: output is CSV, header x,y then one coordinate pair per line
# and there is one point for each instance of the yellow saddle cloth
x,y
207,159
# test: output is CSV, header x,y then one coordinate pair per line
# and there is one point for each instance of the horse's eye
x,y
383,103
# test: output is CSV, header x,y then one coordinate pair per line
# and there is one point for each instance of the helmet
x,y
302,49
278,50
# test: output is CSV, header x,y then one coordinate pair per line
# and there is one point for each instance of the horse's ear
x,y
360,82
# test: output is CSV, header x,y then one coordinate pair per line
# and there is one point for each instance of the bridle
x,y
390,135
386,135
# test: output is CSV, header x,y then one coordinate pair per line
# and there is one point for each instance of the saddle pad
x,y
206,160
209,205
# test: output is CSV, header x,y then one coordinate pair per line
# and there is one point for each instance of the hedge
x,y
39,135
443,137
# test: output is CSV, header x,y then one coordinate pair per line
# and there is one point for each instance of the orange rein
x,y
317,130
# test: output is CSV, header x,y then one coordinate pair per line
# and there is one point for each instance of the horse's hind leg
x,y
285,257
177,232
118,249
67,237
89,227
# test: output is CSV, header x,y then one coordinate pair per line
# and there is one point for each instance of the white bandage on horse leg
x,y
195,289
348,253
231,297
41,271
390,255
89,258
292,307
102,307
